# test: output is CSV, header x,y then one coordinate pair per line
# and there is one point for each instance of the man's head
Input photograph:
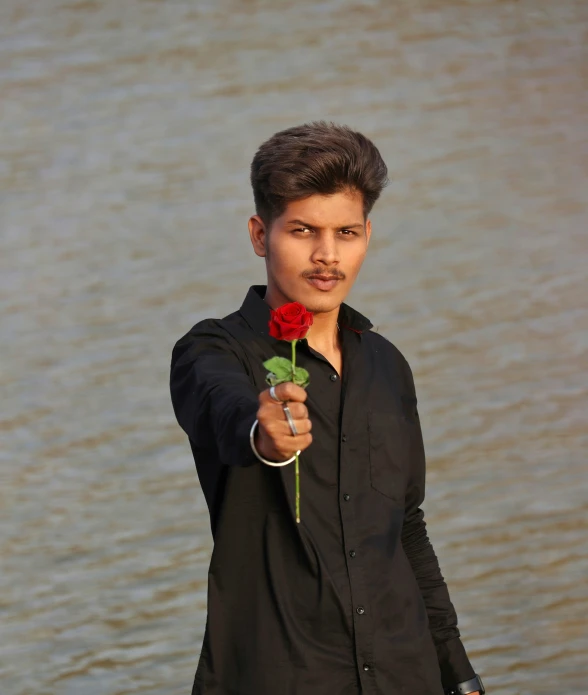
x,y
314,186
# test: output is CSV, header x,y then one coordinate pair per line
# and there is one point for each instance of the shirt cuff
x,y
453,662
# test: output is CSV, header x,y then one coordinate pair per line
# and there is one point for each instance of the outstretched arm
x,y
213,397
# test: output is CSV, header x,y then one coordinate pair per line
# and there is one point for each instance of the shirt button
x,y
346,497
352,553
366,667
344,438
333,377
360,610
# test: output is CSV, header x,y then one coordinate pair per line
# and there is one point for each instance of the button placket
x,y
349,480
361,616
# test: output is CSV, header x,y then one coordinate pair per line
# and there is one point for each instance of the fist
x,y
273,438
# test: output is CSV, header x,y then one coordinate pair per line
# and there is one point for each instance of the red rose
x,y
290,321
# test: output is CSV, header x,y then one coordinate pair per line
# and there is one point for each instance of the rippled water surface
x,y
126,132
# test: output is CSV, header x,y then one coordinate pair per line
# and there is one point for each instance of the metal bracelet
x,y
268,463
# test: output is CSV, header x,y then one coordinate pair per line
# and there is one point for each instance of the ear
x,y
368,231
258,234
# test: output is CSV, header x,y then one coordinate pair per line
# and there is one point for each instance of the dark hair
x,y
317,157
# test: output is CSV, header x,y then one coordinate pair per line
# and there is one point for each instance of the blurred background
x,y
126,134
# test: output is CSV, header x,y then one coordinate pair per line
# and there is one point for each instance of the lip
x,y
320,284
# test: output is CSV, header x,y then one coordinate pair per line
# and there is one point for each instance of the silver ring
x,y
273,395
290,420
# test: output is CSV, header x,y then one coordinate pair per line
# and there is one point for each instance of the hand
x,y
273,438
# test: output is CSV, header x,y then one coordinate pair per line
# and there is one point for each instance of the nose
x,y
325,252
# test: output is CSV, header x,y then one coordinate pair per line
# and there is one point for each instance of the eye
x,y
349,232
301,229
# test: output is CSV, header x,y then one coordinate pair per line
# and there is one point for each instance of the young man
x,y
351,600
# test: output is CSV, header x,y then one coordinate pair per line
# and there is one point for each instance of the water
x,y
126,133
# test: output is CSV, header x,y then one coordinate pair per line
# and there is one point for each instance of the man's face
x,y
321,234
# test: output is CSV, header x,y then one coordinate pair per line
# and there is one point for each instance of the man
x,y
350,600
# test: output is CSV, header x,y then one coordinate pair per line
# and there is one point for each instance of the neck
x,y
323,335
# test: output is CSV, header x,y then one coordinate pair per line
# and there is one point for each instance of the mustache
x,y
334,274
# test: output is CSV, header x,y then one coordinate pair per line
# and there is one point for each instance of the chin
x,y
322,305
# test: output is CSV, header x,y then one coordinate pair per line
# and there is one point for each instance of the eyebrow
x,y
355,225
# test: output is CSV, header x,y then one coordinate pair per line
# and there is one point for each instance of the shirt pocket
x,y
389,453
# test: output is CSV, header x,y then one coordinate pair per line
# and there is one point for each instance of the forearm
x,y
453,661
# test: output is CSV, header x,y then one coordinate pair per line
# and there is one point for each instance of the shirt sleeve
x,y
453,661
213,396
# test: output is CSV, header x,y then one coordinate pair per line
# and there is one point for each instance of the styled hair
x,y
317,157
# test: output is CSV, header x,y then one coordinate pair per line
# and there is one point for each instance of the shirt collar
x,y
256,311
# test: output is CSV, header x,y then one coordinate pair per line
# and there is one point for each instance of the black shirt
x,y
351,600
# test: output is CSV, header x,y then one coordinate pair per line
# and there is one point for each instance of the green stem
x,y
297,491
296,467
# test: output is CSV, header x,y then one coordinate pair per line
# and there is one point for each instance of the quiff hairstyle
x,y
317,157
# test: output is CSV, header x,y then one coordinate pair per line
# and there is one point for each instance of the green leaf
x,y
280,367
301,377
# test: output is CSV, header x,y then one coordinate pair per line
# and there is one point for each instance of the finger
x,y
303,426
297,410
293,444
288,391
274,420
282,444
